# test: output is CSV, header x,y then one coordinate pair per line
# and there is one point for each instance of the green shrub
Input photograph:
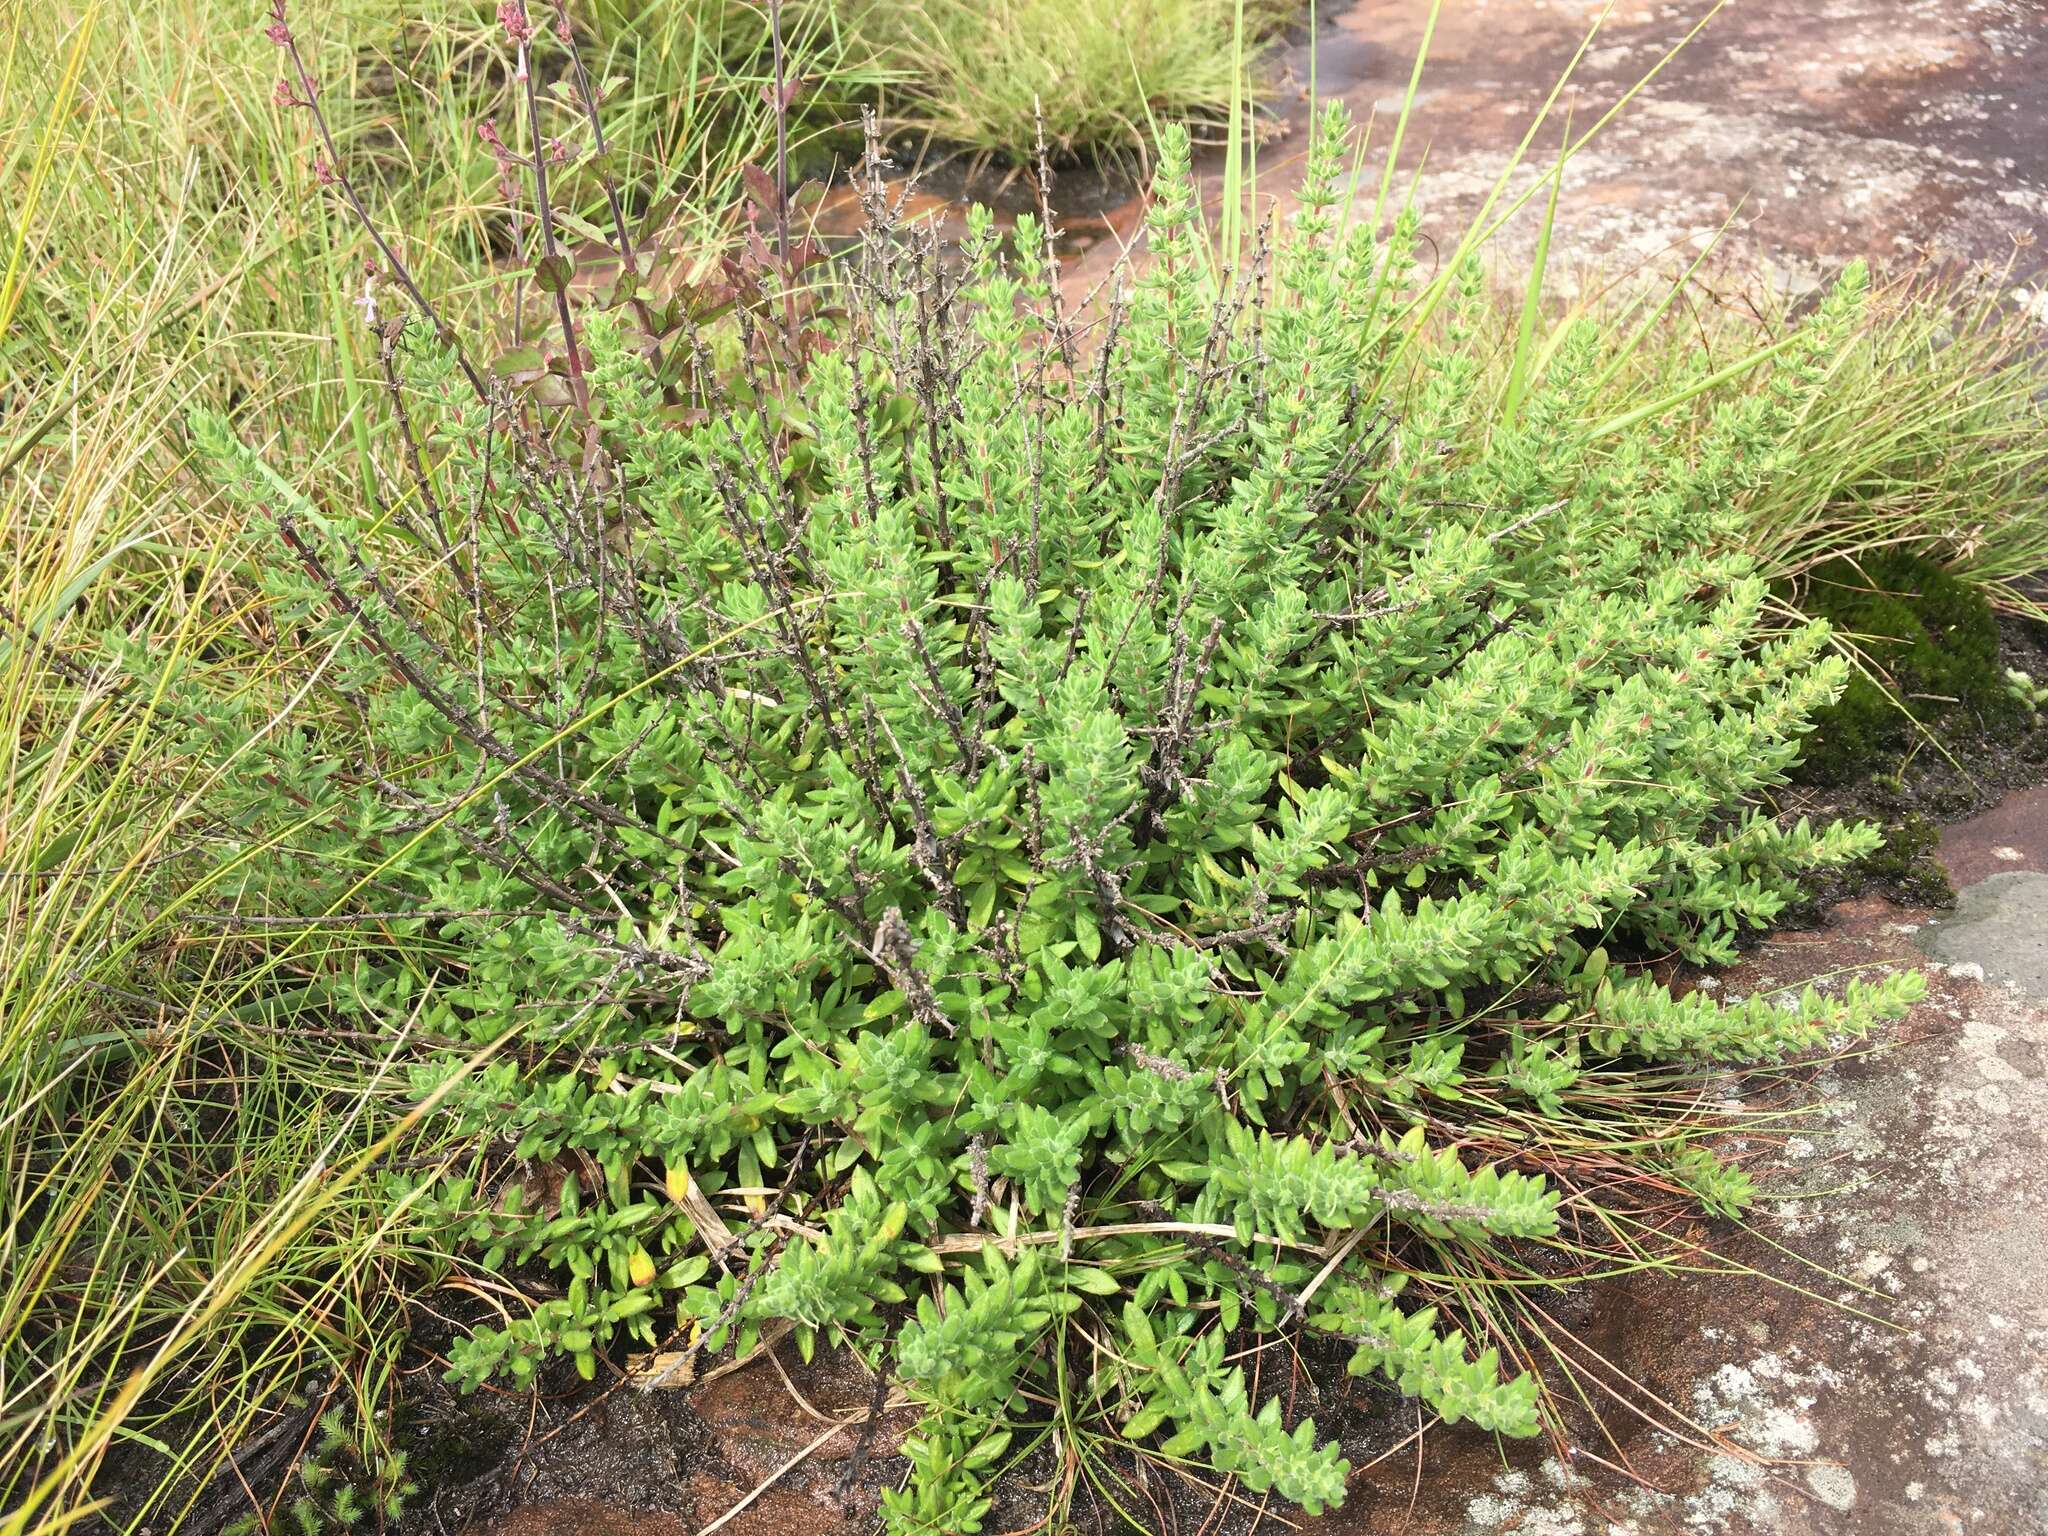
x,y
1028,853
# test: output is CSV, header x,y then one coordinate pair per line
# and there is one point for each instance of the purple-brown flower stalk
x,y
512,14
327,171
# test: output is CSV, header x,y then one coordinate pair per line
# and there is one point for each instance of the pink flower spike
x,y
512,17
323,172
279,34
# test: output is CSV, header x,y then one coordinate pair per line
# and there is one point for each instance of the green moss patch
x,y
1933,635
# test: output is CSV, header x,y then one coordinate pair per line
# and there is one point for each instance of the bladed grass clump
x,y
1096,75
1928,438
1030,848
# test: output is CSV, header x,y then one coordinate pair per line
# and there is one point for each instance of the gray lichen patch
x,y
1998,932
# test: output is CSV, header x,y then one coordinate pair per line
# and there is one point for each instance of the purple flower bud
x,y
512,17
323,172
488,132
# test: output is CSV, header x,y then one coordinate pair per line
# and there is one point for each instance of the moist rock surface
x,y
1885,1373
